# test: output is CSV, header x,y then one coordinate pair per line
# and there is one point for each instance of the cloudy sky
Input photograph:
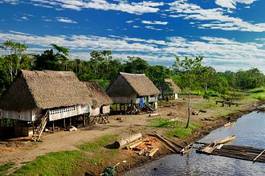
x,y
230,34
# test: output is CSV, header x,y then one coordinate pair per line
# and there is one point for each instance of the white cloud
x,y
123,6
153,28
221,53
13,2
155,22
232,3
212,18
24,18
129,21
65,20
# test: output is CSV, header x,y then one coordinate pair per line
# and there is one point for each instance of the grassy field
x,y
64,163
173,128
5,167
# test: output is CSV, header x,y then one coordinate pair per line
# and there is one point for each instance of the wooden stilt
x,y
33,128
53,128
64,125
70,121
84,120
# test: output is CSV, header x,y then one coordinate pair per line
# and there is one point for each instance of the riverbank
x,y
84,151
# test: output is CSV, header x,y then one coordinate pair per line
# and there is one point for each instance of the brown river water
x,y
249,131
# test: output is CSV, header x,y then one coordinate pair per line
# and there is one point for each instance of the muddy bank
x,y
198,134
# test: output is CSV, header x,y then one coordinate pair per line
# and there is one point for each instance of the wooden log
x,y
254,160
186,149
225,140
168,143
137,143
153,115
123,142
153,151
239,152
141,152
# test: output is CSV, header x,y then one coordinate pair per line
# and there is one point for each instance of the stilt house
x,y
38,97
129,90
170,90
100,100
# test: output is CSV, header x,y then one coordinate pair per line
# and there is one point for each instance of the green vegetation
x,y
59,163
257,93
173,128
65,163
99,150
188,73
5,167
98,143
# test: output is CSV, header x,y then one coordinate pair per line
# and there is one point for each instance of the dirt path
x,y
63,140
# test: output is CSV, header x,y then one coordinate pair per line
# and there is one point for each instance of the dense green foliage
x,y
188,73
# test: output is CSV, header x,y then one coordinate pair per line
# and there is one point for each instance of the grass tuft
x,y
98,143
174,128
5,167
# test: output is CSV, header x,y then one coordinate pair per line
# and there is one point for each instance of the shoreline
x,y
86,161
198,134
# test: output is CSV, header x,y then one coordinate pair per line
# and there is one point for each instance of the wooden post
x,y
53,126
33,127
64,125
70,123
84,120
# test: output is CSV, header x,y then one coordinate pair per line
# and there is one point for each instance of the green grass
x,y
5,167
59,163
173,128
65,163
98,143
98,149
257,93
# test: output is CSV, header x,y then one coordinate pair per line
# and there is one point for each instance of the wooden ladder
x,y
39,130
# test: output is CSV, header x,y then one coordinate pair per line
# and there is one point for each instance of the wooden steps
x,y
39,130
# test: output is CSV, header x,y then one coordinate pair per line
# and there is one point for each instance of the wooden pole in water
x,y
258,156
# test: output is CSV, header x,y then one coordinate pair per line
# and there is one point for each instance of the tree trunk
x,y
189,111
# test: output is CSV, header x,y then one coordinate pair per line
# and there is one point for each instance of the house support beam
x,y
84,120
53,128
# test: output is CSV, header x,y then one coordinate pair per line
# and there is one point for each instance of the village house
x,y
36,98
130,91
100,100
170,90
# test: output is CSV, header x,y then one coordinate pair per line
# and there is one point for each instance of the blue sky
x,y
230,34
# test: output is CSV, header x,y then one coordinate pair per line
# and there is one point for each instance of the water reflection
x,y
249,130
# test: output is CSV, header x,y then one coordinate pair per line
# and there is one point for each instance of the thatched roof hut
x,y
44,90
173,87
127,84
98,94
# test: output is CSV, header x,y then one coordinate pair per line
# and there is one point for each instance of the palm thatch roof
x,y
126,84
174,87
44,90
98,94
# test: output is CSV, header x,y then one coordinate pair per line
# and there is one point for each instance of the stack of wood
x,y
145,147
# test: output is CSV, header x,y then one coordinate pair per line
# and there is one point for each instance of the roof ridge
x,y
125,73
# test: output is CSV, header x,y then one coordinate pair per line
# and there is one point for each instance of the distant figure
x,y
142,102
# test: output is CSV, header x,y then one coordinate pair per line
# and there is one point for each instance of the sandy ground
x,y
20,152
